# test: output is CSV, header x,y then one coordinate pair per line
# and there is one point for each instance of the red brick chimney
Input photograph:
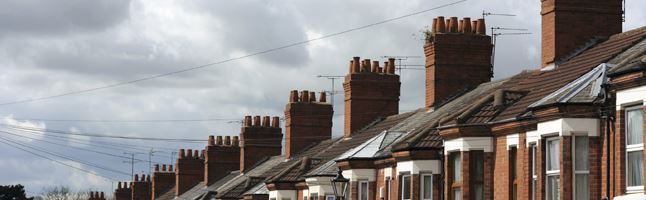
x,y
189,170
141,188
259,140
96,196
163,180
568,24
371,92
222,157
123,191
458,57
306,121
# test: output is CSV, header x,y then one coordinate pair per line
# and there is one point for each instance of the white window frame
x,y
549,173
360,191
422,186
314,196
410,185
586,172
632,148
533,148
305,197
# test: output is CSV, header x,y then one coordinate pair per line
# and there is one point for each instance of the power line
x,y
64,157
56,161
228,60
73,147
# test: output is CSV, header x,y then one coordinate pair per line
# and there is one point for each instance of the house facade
x,y
572,128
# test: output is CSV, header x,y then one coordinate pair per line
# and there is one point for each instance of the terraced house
x,y
572,128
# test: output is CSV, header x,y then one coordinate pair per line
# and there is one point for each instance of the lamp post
x,y
340,185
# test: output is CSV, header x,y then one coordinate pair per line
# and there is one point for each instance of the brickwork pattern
x,y
259,140
123,191
306,121
189,170
163,180
141,188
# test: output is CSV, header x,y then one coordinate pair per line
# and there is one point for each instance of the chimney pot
x,y
136,177
355,62
312,97
211,140
196,154
275,122
247,121
391,64
218,139
164,167
189,153
202,154
102,195
235,141
293,96
265,121
170,168
323,97
227,140
447,25
351,67
441,27
453,27
156,167
305,96
119,185
482,29
375,66
256,120
148,178
434,26
460,26
181,153
474,26
466,25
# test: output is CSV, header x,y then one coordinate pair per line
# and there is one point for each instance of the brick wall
x,y
96,196
141,188
123,191
371,92
595,157
189,170
501,169
163,180
591,18
222,155
306,121
458,57
259,140
566,168
619,157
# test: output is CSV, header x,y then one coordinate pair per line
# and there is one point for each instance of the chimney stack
x,y
259,141
457,59
190,171
123,191
141,188
163,180
307,122
222,157
567,25
369,95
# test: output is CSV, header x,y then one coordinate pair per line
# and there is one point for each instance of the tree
x,y
13,192
63,193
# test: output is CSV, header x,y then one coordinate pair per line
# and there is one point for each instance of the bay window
x,y
552,167
634,149
406,187
477,174
363,190
455,166
532,165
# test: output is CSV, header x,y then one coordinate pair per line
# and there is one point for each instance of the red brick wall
x,y
619,167
369,95
141,188
189,171
162,181
394,185
221,157
380,183
501,169
258,141
591,18
566,168
306,121
455,62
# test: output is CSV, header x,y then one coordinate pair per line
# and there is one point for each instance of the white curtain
x,y
635,126
553,187
457,166
553,154
635,173
581,153
581,187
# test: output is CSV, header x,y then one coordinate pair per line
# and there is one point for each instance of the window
x,y
363,190
272,198
455,166
314,196
427,186
532,164
405,187
513,173
305,198
581,169
330,197
552,157
634,149
387,190
477,174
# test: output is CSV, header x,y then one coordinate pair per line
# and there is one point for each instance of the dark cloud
x,y
51,17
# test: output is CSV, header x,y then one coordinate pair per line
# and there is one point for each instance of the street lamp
x,y
340,185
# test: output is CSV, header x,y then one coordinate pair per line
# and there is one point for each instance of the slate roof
x,y
633,59
168,195
236,187
542,83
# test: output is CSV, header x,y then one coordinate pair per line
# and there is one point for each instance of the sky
x,y
54,47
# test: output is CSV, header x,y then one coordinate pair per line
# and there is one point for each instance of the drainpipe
x,y
606,114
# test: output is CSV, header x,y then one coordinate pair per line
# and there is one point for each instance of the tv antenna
x,y
399,66
495,35
332,92
132,163
485,14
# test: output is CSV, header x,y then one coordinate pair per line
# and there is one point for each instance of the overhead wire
x,y
230,59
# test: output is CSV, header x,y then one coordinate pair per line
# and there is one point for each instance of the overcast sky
x,y
53,47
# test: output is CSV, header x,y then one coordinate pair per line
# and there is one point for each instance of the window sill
x,y
635,189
